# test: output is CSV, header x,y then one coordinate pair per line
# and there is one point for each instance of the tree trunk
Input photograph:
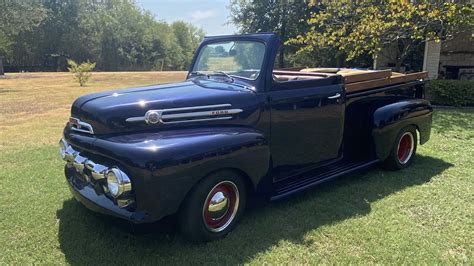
x,y
400,60
340,60
1,67
398,65
281,58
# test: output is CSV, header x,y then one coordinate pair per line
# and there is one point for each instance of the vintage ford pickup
x,y
236,127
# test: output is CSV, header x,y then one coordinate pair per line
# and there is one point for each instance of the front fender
x,y
176,160
391,118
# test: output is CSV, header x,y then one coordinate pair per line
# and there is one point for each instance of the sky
x,y
210,15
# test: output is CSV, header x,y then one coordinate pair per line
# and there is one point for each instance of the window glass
x,y
236,58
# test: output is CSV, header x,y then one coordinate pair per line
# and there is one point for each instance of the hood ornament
x,y
80,126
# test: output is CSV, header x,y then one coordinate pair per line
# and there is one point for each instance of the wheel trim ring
x,y
406,145
232,194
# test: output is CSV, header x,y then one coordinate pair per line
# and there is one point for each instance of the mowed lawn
x,y
423,214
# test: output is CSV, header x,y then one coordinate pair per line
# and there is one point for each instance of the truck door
x,y
307,122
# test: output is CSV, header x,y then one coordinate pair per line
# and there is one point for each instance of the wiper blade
x,y
213,72
225,74
199,73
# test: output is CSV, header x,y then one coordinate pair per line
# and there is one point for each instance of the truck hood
x,y
190,103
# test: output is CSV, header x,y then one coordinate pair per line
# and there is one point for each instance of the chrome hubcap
x,y
218,206
221,206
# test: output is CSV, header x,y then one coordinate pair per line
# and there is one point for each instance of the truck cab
x,y
235,127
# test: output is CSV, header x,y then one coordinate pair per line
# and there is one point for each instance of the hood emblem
x,y
187,114
153,117
77,125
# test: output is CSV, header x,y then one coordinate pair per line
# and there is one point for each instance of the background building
x,y
450,59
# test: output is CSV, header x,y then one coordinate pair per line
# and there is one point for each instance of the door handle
x,y
335,96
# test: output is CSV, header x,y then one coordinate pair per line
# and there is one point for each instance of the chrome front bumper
x,y
83,173
100,203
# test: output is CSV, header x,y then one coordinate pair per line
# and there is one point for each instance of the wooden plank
x,y
365,85
332,70
359,76
351,75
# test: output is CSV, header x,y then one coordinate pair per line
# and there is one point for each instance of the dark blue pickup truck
x,y
236,127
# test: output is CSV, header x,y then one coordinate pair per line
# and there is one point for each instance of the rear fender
x,y
391,118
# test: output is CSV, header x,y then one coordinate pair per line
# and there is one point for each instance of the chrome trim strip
x,y
205,113
135,119
200,120
186,115
196,107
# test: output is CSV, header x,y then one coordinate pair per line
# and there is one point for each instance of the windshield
x,y
233,58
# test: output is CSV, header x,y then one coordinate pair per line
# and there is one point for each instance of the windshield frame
x,y
205,43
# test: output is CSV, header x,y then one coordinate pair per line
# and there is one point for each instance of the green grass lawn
x,y
423,214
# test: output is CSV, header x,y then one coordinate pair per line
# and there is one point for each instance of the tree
x,y
82,72
15,17
285,17
188,37
369,26
116,34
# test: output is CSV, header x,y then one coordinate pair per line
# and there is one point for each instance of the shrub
x,y
451,92
82,72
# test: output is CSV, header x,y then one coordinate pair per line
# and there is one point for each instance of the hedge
x,y
451,92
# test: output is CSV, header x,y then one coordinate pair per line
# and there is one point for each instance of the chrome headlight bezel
x,y
118,183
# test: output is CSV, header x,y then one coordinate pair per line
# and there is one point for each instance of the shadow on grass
x,y
88,238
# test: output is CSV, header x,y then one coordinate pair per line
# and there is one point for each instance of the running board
x,y
285,189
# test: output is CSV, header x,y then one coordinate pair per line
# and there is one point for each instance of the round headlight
x,y
62,149
113,183
117,182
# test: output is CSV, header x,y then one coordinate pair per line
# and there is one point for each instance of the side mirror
x,y
232,52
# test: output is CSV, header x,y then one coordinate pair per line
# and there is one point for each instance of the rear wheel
x,y
214,207
403,149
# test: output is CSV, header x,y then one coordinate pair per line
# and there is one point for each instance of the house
x,y
449,59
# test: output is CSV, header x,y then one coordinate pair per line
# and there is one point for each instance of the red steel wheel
x,y
221,206
405,147
213,207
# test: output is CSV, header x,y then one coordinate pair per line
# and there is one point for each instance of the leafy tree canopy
x,y
368,26
116,34
285,17
15,17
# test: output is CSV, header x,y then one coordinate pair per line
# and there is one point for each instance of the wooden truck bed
x,y
359,80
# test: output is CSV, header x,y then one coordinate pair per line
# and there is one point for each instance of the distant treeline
x,y
116,34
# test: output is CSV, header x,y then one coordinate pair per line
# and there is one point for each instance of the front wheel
x,y
213,207
403,149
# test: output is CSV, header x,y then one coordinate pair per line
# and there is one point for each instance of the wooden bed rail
x,y
359,80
